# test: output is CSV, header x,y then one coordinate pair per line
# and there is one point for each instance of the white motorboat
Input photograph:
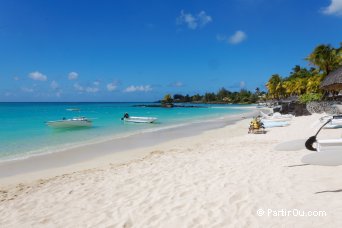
x,y
73,109
139,119
70,123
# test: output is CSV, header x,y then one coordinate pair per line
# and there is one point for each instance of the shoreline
x,y
218,178
25,152
119,150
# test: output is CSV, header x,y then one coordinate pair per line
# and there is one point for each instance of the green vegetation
x,y
223,96
301,82
308,97
326,58
167,101
305,82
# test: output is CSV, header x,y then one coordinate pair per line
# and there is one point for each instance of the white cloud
x,y
88,89
177,84
335,8
72,75
15,78
54,85
142,88
204,19
188,19
112,86
37,76
27,90
92,89
242,84
193,22
78,87
237,37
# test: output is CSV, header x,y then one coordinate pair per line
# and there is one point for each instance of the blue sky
x,y
133,50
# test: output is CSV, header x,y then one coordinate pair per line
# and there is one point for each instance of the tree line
x,y
222,96
305,82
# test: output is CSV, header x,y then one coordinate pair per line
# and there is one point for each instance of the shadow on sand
x,y
329,191
290,166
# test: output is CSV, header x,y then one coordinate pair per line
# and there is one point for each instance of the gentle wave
x,y
24,136
102,139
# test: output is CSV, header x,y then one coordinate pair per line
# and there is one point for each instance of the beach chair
x,y
275,117
329,145
336,121
338,108
323,145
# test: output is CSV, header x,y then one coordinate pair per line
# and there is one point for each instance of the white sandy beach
x,y
220,178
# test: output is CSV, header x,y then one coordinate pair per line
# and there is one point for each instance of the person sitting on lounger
x,y
256,126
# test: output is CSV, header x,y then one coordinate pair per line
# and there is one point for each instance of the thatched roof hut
x,y
333,81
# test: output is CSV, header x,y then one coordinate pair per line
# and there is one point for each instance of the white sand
x,y
217,179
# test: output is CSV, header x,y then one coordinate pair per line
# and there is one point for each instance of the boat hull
x,y
135,119
69,123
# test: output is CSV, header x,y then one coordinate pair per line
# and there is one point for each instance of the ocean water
x,y
23,131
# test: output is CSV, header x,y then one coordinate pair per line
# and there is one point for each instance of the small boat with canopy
x,y
138,119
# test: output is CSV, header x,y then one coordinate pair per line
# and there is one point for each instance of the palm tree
x,y
300,86
288,86
196,98
167,101
274,86
222,93
257,91
313,84
326,58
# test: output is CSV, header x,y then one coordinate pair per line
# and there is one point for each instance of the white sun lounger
x,y
329,145
276,117
338,107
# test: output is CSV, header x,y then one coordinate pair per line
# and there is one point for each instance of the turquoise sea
x,y
23,131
